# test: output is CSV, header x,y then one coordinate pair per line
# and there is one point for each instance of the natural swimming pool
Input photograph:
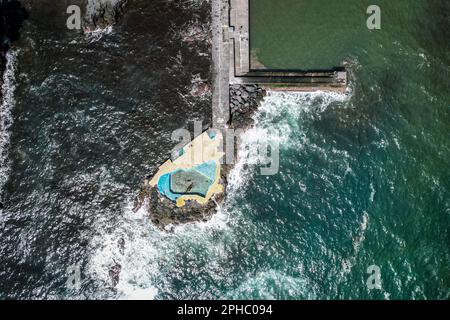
x,y
194,181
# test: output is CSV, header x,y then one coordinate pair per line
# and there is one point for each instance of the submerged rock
x,y
114,273
165,214
103,13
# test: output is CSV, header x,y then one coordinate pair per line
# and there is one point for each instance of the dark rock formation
x,y
103,13
114,273
244,101
164,213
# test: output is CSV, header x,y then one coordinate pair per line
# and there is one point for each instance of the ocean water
x,y
363,178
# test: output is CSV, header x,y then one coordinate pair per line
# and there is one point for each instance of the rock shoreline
x,y
101,14
244,101
164,214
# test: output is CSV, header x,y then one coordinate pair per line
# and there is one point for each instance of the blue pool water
x,y
207,169
164,187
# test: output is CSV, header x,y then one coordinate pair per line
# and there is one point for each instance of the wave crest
x,y
6,120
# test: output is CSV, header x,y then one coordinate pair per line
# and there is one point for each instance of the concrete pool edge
x,y
235,98
210,152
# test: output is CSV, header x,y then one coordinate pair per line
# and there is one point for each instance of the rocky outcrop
x,y
244,101
166,215
103,13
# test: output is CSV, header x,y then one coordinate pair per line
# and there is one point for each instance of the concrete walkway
x,y
201,150
232,65
220,64
239,33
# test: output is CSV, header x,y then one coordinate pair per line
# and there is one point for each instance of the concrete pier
x,y
232,62
239,34
220,64
242,72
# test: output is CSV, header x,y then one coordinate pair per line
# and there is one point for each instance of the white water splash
x,y
268,128
144,248
97,34
8,103
272,285
136,256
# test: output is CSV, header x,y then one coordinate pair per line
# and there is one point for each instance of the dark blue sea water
x,y
363,179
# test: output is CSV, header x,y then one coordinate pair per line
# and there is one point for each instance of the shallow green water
x,y
309,34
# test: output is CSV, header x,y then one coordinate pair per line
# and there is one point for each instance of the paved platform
x,y
240,36
220,64
241,71
199,159
232,62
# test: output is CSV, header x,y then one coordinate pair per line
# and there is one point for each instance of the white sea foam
x,y
146,248
97,34
362,232
7,105
274,284
137,256
347,264
372,193
277,119
273,123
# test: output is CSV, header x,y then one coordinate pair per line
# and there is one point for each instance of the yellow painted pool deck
x,y
200,150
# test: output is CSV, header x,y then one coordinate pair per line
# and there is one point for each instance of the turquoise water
x,y
164,187
207,169
206,175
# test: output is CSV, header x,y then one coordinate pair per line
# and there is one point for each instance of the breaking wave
x,y
139,248
97,34
143,252
8,103
275,121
